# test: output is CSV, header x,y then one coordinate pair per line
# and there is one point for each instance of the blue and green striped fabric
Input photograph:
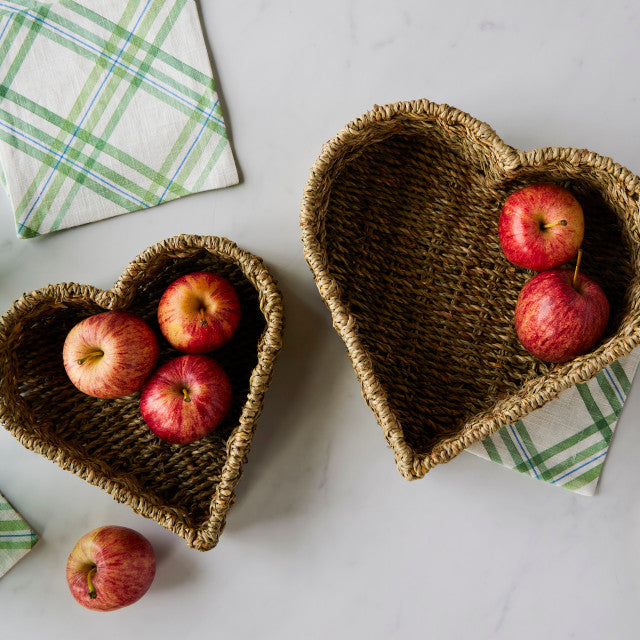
x,y
16,537
566,442
106,107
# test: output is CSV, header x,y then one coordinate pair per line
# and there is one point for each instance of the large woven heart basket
x,y
400,228
186,488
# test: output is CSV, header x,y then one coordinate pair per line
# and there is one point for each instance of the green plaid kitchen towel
x,y
106,106
566,441
16,537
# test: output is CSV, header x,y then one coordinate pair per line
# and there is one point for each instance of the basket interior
x,y
411,238
110,435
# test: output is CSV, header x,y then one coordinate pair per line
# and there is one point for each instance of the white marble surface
x,y
327,540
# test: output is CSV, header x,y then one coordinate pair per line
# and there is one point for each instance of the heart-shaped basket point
x,y
400,228
186,488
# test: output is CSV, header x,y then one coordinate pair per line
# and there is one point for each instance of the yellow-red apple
x,y
199,312
560,315
186,399
110,567
541,227
110,354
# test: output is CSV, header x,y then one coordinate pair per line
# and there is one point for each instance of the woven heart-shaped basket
x,y
400,228
186,488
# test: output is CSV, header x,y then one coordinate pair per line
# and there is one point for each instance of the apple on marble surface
x,y
541,227
110,567
560,314
199,312
186,399
110,354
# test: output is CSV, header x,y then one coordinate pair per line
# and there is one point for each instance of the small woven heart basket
x,y
186,488
400,228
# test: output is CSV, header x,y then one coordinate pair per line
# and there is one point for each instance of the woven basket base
x,y
400,229
187,488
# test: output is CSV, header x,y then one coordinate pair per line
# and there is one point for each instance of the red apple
x,y
110,354
110,567
559,318
199,312
541,227
186,399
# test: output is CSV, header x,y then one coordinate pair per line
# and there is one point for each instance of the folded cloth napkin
x,y
566,441
16,537
106,106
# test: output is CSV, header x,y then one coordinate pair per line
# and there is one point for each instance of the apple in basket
x,y
199,312
560,314
110,567
110,354
541,227
186,399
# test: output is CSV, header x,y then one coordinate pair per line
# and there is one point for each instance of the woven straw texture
x,y
186,488
400,228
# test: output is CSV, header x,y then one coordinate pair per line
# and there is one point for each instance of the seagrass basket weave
x,y
400,228
186,488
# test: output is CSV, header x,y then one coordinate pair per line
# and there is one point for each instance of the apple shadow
x,y
173,568
286,455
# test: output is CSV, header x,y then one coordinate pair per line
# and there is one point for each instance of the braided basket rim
x,y
124,289
504,158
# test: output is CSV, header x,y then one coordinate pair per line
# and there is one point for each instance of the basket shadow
x,y
279,480
173,569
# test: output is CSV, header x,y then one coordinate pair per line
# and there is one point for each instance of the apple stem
x,y
93,594
562,223
96,353
185,393
203,320
575,273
